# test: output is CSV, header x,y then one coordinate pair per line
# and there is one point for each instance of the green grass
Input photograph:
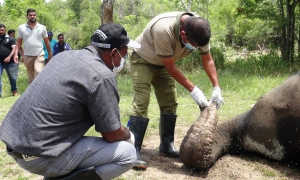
x,y
242,83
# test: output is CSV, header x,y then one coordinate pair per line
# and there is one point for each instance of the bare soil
x,y
233,167
237,167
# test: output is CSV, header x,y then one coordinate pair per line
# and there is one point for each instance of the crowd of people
x,y
35,54
44,131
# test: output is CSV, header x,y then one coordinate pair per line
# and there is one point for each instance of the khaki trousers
x,y
34,65
144,75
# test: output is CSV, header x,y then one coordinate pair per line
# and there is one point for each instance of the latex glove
x,y
199,97
131,139
216,96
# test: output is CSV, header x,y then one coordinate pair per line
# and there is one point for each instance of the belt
x,y
17,155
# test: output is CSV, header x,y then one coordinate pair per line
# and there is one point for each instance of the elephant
x,y
270,128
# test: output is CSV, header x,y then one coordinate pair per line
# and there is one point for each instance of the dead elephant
x,y
271,128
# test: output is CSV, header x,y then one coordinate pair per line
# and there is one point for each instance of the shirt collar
x,y
36,25
94,51
177,24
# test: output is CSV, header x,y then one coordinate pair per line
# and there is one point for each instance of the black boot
x,y
166,132
138,126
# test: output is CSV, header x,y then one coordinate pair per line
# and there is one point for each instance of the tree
x,y
287,14
200,7
282,13
107,11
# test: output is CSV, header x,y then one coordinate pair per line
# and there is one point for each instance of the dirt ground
x,y
233,167
237,167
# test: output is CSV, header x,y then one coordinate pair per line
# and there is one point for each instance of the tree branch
x,y
186,8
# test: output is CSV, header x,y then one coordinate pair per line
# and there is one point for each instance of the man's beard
x,y
32,20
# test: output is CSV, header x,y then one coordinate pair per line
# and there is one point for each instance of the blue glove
x,y
216,96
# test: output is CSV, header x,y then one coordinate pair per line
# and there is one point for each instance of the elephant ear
x,y
196,147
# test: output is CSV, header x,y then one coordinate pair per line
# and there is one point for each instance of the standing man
x,y
44,132
12,33
52,43
33,33
61,45
7,50
166,39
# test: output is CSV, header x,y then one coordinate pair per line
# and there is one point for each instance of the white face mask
x,y
116,70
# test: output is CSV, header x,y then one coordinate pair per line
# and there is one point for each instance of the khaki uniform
x,y
160,39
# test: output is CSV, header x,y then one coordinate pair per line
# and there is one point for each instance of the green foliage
x,y
46,19
218,57
201,7
75,6
223,20
280,17
261,65
190,63
243,23
13,8
134,15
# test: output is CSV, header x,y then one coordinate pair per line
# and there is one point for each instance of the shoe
x,y
15,93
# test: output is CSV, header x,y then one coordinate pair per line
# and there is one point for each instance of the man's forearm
x,y
12,53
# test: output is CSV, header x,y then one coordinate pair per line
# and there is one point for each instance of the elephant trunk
x,y
205,142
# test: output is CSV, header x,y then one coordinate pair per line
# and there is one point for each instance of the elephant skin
x,y
271,128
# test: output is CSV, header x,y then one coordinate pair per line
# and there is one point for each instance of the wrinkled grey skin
x,y
271,128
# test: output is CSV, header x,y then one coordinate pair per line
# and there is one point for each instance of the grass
x,y
242,82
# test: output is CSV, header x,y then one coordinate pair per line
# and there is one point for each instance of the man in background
x,y
61,45
33,34
12,33
7,50
52,43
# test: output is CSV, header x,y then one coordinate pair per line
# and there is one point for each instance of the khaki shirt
x,y
161,39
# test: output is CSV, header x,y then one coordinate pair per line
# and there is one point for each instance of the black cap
x,y
112,35
50,33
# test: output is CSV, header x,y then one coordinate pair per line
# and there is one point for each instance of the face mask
x,y
188,46
116,70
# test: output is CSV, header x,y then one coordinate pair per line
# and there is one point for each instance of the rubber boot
x,y
166,132
138,126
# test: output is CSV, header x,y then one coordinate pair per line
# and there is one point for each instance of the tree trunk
x,y
283,44
288,26
298,33
107,11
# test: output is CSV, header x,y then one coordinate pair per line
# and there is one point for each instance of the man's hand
x,y
131,139
216,96
199,97
16,58
7,60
